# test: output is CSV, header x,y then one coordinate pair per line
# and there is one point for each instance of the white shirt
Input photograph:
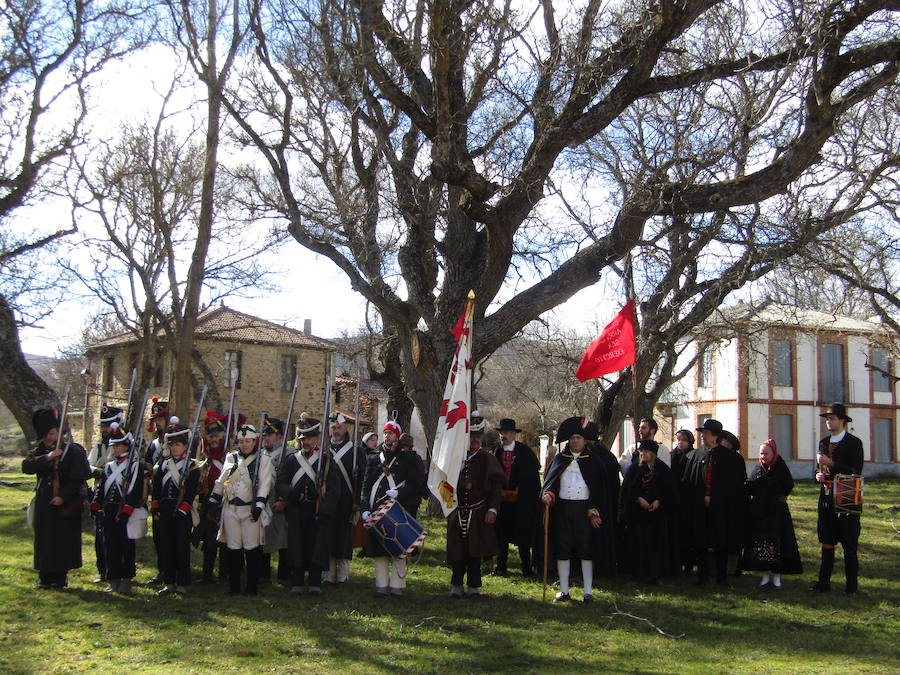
x,y
571,483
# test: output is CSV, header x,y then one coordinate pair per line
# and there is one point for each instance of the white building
x,y
779,370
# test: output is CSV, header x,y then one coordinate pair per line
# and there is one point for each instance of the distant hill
x,y
11,439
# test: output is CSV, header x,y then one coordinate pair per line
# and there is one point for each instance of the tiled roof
x,y
229,325
774,314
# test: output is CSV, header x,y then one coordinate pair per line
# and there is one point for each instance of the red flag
x,y
613,350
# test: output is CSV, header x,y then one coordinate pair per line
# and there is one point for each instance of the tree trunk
x,y
21,389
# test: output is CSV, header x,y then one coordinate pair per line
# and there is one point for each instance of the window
x,y
232,368
881,381
783,363
784,435
833,388
108,365
884,439
704,368
288,372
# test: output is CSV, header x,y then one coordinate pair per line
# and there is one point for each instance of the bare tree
x,y
49,53
138,201
434,148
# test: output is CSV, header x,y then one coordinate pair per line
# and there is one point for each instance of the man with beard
x,y
714,480
348,463
517,520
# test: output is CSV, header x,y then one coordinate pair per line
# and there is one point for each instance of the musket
x,y
132,450
287,420
191,435
228,422
259,451
59,439
324,463
356,437
130,392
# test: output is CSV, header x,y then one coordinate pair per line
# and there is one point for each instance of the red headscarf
x,y
771,443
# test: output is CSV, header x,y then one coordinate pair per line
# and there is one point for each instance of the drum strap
x,y
305,468
385,473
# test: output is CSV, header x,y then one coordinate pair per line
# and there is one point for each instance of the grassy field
x,y
742,629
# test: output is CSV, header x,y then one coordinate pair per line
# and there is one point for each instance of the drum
x,y
848,493
396,530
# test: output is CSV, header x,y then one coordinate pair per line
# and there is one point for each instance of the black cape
x,y
517,521
647,533
595,474
721,525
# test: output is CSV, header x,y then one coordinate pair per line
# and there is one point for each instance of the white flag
x,y
451,441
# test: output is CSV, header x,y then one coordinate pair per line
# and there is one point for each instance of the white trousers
x,y
397,578
238,531
338,570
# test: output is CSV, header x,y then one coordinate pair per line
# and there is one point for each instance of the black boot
x,y
254,562
235,564
824,583
525,557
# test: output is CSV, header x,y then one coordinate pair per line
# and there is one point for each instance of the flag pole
x,y
629,292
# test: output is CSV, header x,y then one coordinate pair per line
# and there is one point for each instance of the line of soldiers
x,y
308,502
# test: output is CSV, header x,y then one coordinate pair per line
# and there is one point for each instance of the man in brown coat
x,y
470,527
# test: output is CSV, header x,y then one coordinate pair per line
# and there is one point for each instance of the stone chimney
x,y
307,326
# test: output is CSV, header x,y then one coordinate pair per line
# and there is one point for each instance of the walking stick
x,y
546,544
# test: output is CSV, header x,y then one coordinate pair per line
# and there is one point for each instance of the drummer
x,y
470,526
392,473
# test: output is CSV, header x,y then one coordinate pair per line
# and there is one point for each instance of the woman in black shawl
x,y
647,497
683,555
772,544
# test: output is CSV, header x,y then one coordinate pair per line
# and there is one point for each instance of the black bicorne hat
x,y
838,409
581,426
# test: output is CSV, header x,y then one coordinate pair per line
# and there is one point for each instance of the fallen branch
x,y
634,617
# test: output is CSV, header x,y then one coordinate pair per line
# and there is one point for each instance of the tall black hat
x,y
308,427
44,420
838,409
159,408
581,426
177,432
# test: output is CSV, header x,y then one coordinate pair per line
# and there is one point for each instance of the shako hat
x,y
118,435
176,432
308,427
272,425
109,414
159,408
214,422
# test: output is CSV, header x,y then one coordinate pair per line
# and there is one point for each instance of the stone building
x,y
265,357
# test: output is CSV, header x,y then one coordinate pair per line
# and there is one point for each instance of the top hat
x,y
733,440
507,424
581,426
712,425
838,409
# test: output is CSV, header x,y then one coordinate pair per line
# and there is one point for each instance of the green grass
x,y
348,630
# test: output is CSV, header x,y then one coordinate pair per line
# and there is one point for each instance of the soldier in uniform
x,y
207,531
97,458
391,473
517,520
243,491
174,489
276,531
470,526
58,500
348,462
308,493
119,493
156,452
839,452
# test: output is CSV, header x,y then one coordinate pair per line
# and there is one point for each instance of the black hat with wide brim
x,y
838,409
507,424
